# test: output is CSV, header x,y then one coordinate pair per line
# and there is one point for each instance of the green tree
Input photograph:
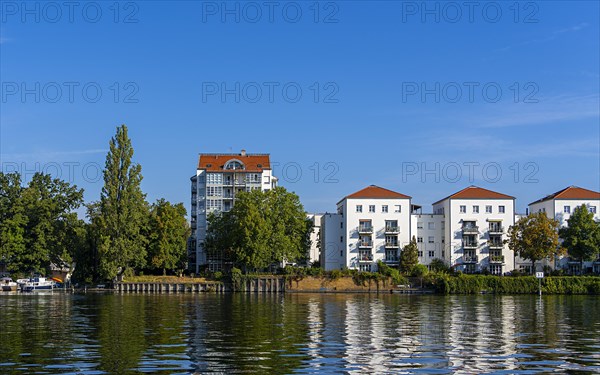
x,y
169,232
263,228
12,220
438,265
534,237
123,212
409,257
581,238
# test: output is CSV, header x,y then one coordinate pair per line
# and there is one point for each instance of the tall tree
x,y
12,220
123,211
169,232
581,237
409,257
534,237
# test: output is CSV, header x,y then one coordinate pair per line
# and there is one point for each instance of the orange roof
x,y
217,162
475,192
572,192
376,192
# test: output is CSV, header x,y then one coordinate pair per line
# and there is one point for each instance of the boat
x,y
37,283
8,285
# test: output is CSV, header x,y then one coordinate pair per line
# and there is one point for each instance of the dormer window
x,y
234,165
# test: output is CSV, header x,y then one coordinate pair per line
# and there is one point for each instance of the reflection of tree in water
x,y
121,323
248,332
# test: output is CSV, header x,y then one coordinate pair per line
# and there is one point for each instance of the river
x,y
297,333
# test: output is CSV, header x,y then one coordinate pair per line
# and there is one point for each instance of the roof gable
x,y
571,192
217,162
476,192
376,192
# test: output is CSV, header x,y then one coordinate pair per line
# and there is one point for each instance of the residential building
x,y
219,179
560,206
371,225
315,239
428,230
476,224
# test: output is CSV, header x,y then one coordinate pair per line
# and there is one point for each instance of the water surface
x,y
297,333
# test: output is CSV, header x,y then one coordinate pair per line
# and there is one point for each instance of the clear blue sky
x,y
371,62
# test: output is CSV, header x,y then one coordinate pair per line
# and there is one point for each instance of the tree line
x,y
40,230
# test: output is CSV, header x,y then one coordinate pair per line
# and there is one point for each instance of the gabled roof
x,y
571,192
376,192
475,192
217,162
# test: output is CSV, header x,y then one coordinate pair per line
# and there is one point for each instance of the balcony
x,y
228,196
392,245
365,244
470,244
470,259
392,230
391,260
365,229
496,258
495,244
470,229
228,182
498,229
365,257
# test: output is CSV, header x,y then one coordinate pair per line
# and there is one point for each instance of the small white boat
x,y
37,283
8,285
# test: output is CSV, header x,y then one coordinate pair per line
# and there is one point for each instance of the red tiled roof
x,y
217,162
571,192
475,192
376,192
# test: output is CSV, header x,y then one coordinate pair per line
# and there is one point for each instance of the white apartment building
x,y
476,222
429,233
559,206
315,239
218,180
370,225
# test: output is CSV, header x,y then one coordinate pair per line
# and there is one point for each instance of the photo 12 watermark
x,y
68,92
469,171
470,11
125,12
270,92
469,92
68,171
318,172
273,12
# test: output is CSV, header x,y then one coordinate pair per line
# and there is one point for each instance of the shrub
x,y
335,274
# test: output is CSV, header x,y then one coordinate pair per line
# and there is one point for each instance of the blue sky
x,y
425,101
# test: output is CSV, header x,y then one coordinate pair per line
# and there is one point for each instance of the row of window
x,y
217,178
567,209
430,239
430,225
488,209
430,253
384,208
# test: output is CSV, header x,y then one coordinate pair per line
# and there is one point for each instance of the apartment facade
x,y
372,224
219,179
476,222
560,206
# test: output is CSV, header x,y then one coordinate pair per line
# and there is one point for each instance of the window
x,y
358,208
475,209
593,209
371,208
488,209
341,253
341,225
463,209
214,191
431,225
420,239
397,208
420,254
431,254
214,178
430,239
501,209
419,225
567,209
341,238
443,252
443,225
384,208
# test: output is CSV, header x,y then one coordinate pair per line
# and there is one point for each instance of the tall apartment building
x,y
560,206
219,179
370,225
476,223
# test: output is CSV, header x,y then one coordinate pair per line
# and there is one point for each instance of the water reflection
x,y
303,333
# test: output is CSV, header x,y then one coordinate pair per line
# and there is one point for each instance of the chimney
x,y
243,153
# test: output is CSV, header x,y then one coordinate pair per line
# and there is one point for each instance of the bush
x,y
438,265
419,270
335,274
392,273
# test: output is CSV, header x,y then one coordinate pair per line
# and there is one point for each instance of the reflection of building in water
x,y
481,334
